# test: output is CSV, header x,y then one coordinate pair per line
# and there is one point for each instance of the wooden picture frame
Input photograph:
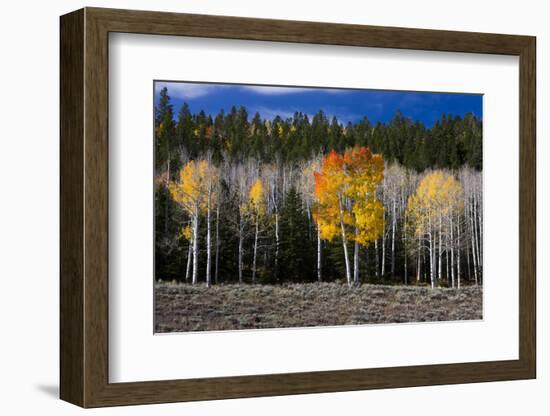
x,y
84,207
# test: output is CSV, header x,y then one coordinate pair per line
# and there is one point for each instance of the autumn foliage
x,y
347,204
433,212
306,198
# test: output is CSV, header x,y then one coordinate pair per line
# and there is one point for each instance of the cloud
x,y
265,90
186,89
274,90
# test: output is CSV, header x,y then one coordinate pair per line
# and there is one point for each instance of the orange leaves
x,y
208,132
329,190
345,190
334,160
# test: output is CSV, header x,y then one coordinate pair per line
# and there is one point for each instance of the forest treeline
x,y
243,199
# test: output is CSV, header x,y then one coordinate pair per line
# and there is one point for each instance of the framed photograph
x,y
255,207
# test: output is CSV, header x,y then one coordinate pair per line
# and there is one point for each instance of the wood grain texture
x,y
527,207
96,208
84,205
71,100
225,27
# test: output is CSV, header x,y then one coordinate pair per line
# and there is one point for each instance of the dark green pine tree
x,y
165,132
257,137
319,131
165,141
296,249
184,130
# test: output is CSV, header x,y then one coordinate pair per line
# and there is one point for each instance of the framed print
x,y
256,207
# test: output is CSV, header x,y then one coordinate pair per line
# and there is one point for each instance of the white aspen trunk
x,y
432,261
393,227
479,237
255,251
405,279
319,259
195,247
217,255
473,246
440,256
474,218
479,247
480,220
356,259
189,255
418,261
166,204
476,246
240,255
474,264
405,271
468,262
208,240
377,255
276,243
383,269
452,253
308,221
467,239
345,243
447,275
458,255
431,251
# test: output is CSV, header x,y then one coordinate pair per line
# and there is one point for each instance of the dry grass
x,y
181,307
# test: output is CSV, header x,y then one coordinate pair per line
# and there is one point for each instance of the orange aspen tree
x,y
345,189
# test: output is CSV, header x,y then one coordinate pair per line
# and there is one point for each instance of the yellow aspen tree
x,y
438,196
453,195
257,207
189,192
364,172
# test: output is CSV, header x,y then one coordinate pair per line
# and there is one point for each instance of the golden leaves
x,y
256,198
345,189
438,194
194,188
186,232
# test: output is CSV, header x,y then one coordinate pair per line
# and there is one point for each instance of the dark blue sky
x,y
346,104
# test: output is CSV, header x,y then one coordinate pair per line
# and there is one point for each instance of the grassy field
x,y
181,307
